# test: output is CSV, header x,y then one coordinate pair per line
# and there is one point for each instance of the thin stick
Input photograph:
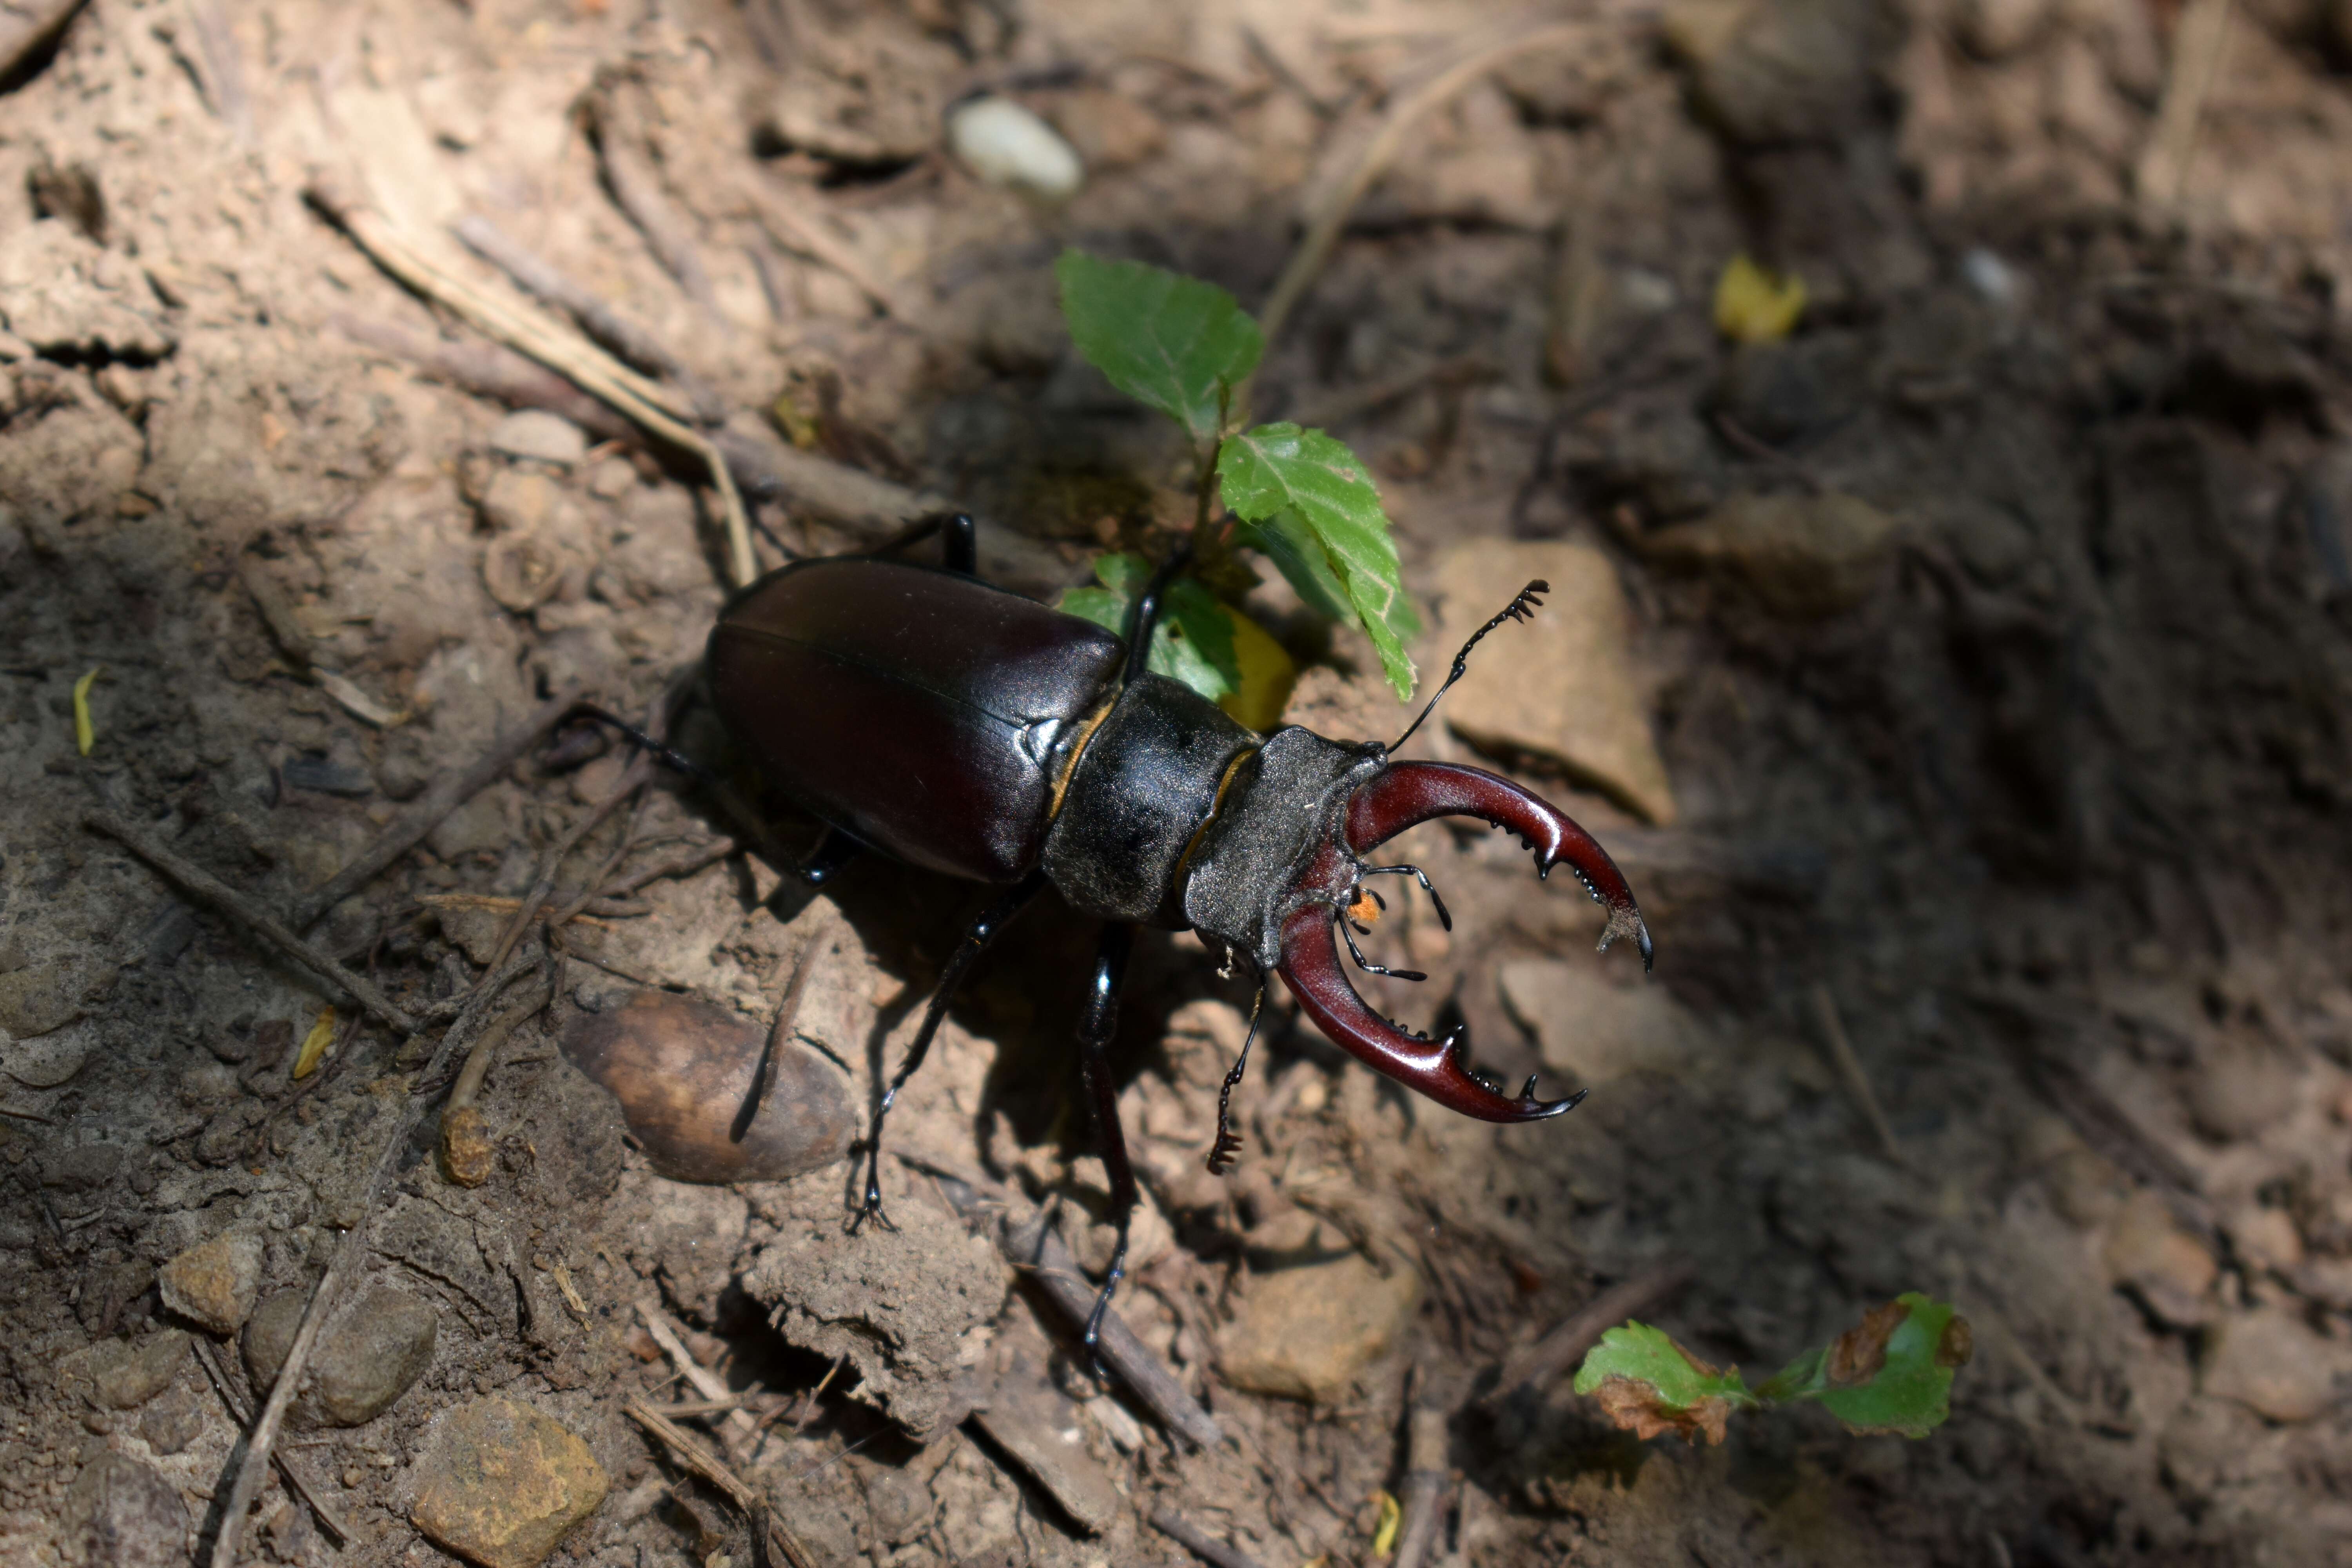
x,y
684,864
1034,1248
488,370
780,1539
349,1253
646,401
1567,1344
447,794
242,1412
1200,1544
536,276
1323,230
621,143
1423,1490
706,1383
228,900
1848,1066
788,229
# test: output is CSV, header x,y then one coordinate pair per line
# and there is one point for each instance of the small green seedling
x,y
1891,1373
1298,497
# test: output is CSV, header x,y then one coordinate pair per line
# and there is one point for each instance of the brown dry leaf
x,y
1859,1354
1634,1406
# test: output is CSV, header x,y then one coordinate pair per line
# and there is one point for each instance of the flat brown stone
x,y
500,1484
1305,1334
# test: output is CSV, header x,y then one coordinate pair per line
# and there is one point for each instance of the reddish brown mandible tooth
x,y
1310,967
1406,793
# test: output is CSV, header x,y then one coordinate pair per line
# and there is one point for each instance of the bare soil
x,y
2052,816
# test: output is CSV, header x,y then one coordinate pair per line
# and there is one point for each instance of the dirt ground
x,y
1987,637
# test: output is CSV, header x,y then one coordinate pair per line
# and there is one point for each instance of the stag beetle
x,y
927,714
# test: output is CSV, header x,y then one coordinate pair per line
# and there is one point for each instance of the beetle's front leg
x,y
1097,1024
981,932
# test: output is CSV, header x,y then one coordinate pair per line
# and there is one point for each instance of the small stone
x,y
324,775
611,479
1108,130
1305,1334
1561,685
125,1374
482,825
82,1167
173,1421
500,1484
518,502
214,1283
43,1063
2164,1264
2267,1238
902,1504
1040,1429
1803,556
368,1354
122,1514
540,436
209,1083
1993,29
1005,144
1591,1029
2239,1094
684,1070
2271,1361
2086,1187
37,999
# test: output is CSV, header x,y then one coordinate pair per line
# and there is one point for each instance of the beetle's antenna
x,y
668,756
1229,1143
1522,607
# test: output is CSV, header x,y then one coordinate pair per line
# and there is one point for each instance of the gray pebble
x,y
535,434
367,1357
121,1514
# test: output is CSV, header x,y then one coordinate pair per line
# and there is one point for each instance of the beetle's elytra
x,y
921,712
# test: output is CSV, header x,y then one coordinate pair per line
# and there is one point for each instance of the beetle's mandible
x,y
998,739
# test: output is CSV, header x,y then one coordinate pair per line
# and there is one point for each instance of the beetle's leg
x,y
1229,1143
667,756
824,862
1444,916
1143,617
1522,607
983,931
1097,1024
1366,965
960,544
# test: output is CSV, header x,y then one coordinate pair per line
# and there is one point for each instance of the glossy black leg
x,y
1097,1024
960,544
824,862
981,932
670,756
1229,1142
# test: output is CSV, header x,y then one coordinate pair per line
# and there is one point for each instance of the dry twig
x,y
447,794
645,402
780,1540
1199,1542
1848,1066
1034,1248
617,122
1421,1495
706,1383
1565,1345
489,369
1331,215
348,1254
195,879
242,1413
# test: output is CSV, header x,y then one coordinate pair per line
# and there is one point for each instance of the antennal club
x,y
1522,607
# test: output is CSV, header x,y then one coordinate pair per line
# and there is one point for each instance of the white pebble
x,y
1005,144
1989,276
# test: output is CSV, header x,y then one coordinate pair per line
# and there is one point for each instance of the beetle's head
x,y
1331,884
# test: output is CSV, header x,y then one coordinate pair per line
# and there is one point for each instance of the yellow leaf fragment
x,y
85,733
1754,305
315,1044
1384,1533
1268,673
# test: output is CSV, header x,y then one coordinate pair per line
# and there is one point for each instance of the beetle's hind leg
x,y
1097,1024
1229,1142
824,862
976,939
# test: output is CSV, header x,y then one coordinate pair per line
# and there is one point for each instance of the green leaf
x,y
1298,555
1892,1373
1175,343
1314,481
1194,644
1648,1384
